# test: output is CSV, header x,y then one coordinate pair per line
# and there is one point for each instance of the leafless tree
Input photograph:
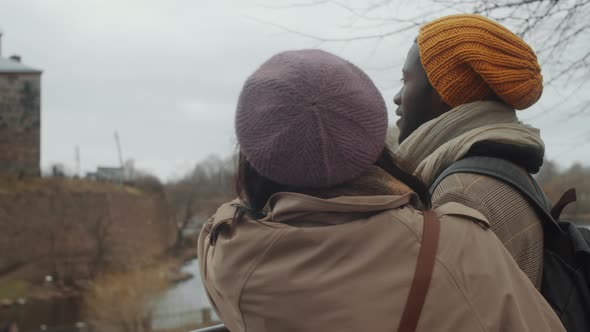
x,y
200,192
54,228
559,29
99,228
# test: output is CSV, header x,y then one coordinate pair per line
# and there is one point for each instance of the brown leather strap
x,y
422,274
568,197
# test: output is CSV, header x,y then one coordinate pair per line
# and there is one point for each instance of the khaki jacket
x,y
346,264
512,217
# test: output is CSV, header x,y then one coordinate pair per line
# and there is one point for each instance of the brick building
x,y
20,118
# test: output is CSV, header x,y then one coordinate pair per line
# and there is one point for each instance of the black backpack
x,y
566,262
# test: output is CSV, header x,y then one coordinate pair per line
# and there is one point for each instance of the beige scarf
x,y
440,142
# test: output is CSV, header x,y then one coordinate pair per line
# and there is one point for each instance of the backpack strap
x,y
508,173
568,197
422,273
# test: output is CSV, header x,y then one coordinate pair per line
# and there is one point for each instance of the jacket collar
x,y
298,208
285,207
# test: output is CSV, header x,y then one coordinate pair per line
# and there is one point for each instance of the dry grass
x,y
123,301
13,289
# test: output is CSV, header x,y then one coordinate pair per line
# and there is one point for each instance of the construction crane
x,y
77,160
119,148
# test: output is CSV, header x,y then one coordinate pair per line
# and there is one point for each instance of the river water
x,y
183,304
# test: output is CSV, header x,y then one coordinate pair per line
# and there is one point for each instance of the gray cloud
x,y
167,74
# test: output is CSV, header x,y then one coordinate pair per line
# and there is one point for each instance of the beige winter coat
x,y
346,263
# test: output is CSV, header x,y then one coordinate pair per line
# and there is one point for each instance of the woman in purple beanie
x,y
327,232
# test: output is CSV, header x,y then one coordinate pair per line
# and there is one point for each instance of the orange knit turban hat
x,y
469,58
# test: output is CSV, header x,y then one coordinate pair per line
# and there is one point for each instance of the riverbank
x,y
14,292
178,260
63,231
181,306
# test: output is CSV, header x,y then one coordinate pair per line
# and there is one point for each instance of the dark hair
x,y
254,190
394,166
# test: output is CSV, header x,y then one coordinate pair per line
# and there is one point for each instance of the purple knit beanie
x,y
310,119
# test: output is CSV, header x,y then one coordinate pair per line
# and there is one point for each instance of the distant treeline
x,y
197,195
555,182
211,183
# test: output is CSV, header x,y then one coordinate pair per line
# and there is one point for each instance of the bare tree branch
x,y
569,71
557,26
297,4
335,39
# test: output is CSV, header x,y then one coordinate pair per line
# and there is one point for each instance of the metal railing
x,y
216,328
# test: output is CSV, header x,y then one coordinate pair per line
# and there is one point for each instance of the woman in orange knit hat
x,y
463,79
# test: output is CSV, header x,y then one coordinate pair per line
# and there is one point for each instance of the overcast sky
x,y
166,74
